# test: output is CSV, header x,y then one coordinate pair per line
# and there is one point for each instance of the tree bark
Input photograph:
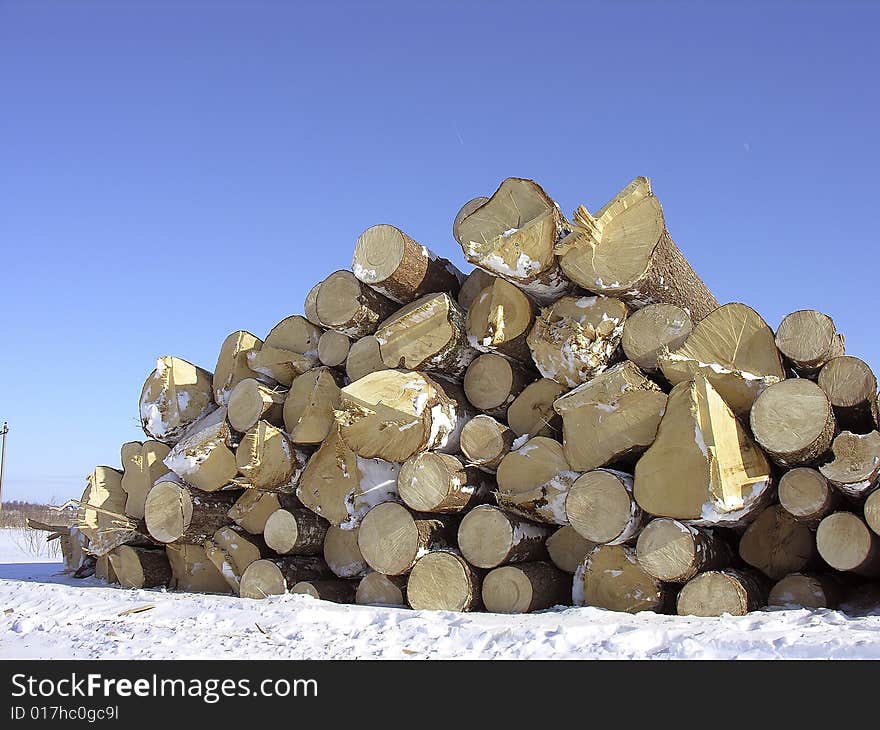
x,y
675,552
525,587
489,537
441,580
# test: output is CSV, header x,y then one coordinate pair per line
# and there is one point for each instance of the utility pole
x,y
3,432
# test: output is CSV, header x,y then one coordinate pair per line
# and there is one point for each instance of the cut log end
x,y
600,506
716,593
567,549
808,339
777,544
391,538
649,331
489,537
847,544
852,389
376,589
611,577
532,410
443,581
675,552
333,348
806,590
806,495
485,441
524,588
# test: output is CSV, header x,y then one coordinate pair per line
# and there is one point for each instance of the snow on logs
x,y
175,395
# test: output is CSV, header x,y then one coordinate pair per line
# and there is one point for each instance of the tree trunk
x,y
333,349
174,396
342,554
718,592
232,364
485,442
499,320
807,590
392,415
142,465
310,307
626,251
390,262
872,511
295,532
611,577
855,470
567,549
674,552
533,481
327,589
576,338
363,358
174,512
525,587
252,401
391,538
376,589
852,389
267,460
308,410
475,282
649,332
620,409
440,483
703,466
232,550
441,580
793,422
600,506
808,339
253,507
193,572
348,306
137,567
204,457
489,537
777,544
513,235
847,544
531,412
341,486
806,495
274,577
296,334
493,382
735,350
428,334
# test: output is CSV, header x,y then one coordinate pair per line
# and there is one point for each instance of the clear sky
x,y
172,172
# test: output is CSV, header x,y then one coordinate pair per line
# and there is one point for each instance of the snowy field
x,y
44,614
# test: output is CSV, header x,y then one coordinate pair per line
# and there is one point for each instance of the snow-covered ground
x,y
44,614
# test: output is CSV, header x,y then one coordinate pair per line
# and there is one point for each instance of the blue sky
x,y
171,172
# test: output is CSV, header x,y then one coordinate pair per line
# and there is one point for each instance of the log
x,y
625,251
441,580
793,422
525,587
391,537
363,358
342,554
806,495
567,549
308,409
333,348
342,487
475,282
735,350
310,306
576,338
231,551
282,366
485,441
674,552
719,592
193,572
327,589
274,577
392,415
100,515
174,396
807,590
489,537
872,511
852,389
465,211
232,364
427,334
531,412
513,234
295,532
137,567
493,382
855,470
533,481
204,457
649,332
376,589
611,577
142,465
252,401
703,465
251,510
104,570
394,265
267,460
600,506
441,484
499,320
348,306
777,544
808,340
295,334
174,512
847,544
611,419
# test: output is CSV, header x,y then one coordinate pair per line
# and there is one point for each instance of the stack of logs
x,y
575,421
